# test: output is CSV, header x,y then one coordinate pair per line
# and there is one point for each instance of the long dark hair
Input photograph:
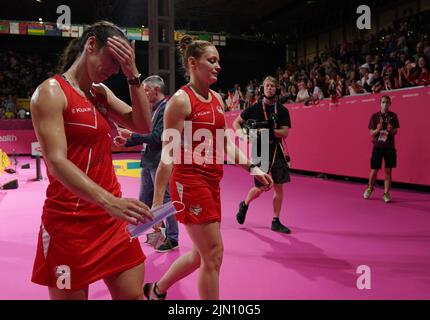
x,y
101,30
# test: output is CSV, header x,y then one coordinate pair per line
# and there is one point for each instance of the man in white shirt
x,y
21,113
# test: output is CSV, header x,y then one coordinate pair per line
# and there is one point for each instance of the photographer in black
x,y
267,114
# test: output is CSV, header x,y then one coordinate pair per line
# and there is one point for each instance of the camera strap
x,y
279,141
283,150
266,117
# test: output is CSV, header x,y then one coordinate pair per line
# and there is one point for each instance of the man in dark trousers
x,y
151,154
383,128
278,120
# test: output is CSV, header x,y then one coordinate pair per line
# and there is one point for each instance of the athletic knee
x,y
212,259
278,194
257,192
195,258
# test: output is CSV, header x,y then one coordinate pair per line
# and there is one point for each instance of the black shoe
x,y
167,245
279,227
241,214
150,292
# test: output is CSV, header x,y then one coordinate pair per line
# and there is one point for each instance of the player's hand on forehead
x,y
120,48
124,53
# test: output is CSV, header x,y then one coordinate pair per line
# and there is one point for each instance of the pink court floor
x,y
334,232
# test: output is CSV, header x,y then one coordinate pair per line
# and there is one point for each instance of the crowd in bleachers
x,y
20,74
396,57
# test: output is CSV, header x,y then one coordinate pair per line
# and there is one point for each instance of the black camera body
x,y
252,124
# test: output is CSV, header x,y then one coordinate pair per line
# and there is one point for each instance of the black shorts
x,y
388,154
279,172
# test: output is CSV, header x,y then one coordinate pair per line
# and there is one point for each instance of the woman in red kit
x,y
83,234
195,181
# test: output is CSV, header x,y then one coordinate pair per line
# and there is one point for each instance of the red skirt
x,y
73,252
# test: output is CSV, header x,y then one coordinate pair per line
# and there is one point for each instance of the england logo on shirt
x,y
196,209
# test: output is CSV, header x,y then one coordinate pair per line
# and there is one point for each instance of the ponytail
x,y
69,55
191,48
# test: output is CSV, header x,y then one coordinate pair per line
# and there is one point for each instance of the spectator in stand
x,y
22,71
232,100
370,64
349,72
377,82
355,88
10,103
390,51
250,87
21,113
390,81
367,77
331,83
427,48
241,97
248,98
283,97
314,91
254,98
9,114
340,85
406,78
293,91
423,72
420,51
303,94
378,63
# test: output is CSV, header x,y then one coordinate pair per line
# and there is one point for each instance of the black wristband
x,y
136,81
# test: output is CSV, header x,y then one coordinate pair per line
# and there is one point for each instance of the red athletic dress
x,y
195,181
80,243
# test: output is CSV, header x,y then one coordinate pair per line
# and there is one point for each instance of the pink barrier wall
x,y
331,138
20,141
334,139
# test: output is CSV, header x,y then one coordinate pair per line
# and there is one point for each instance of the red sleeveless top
x,y
202,151
89,144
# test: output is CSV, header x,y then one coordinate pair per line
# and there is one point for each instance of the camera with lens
x,y
252,124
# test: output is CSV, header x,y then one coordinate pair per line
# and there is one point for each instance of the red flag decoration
x,y
145,34
23,28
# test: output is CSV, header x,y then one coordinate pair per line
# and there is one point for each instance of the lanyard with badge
x,y
383,134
